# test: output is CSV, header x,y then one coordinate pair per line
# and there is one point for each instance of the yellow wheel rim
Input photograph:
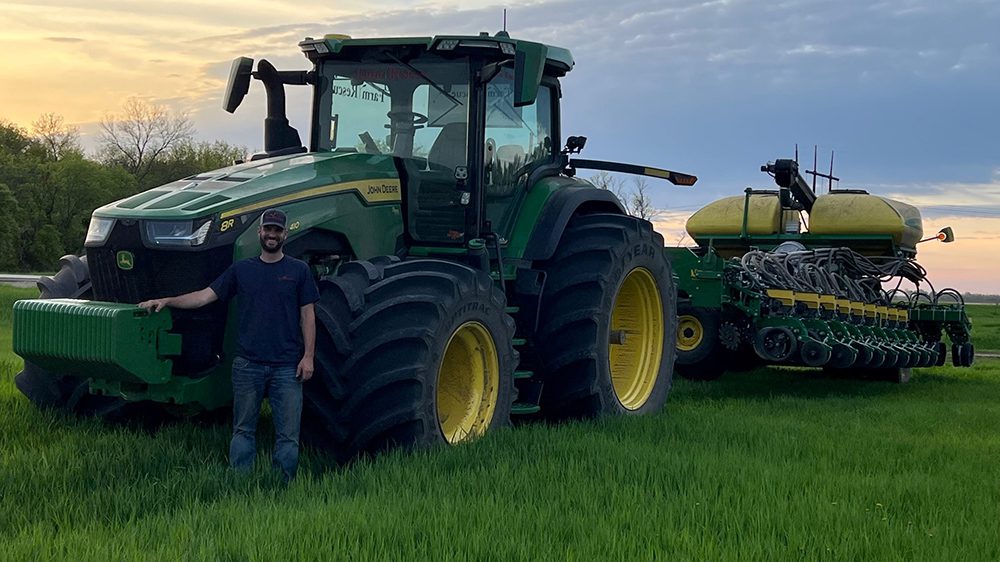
x,y
690,332
468,383
636,338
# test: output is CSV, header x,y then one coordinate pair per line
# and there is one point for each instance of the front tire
x,y
607,320
409,354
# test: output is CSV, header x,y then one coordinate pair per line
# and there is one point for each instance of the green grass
x,y
9,363
985,327
770,465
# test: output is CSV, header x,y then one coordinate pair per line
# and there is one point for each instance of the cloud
x,y
974,57
904,90
961,264
713,87
671,226
827,50
952,199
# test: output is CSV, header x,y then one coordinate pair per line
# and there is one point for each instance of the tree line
x,y
49,186
981,298
633,195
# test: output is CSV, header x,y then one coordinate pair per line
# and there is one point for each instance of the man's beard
x,y
277,247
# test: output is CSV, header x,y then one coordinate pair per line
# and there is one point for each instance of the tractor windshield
x,y
414,110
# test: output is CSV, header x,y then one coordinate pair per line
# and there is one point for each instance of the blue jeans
x,y
251,381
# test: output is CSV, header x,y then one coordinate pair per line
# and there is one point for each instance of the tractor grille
x,y
165,273
156,273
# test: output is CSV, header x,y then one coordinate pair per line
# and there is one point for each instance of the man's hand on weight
x,y
154,305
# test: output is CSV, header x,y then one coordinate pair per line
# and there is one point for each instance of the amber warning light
x,y
945,235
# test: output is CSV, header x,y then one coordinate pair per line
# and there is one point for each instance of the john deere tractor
x,y
466,275
843,291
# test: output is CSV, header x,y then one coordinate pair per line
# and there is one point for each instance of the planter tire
x,y
700,354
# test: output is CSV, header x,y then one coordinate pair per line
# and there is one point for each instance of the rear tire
x,y
57,391
409,354
606,336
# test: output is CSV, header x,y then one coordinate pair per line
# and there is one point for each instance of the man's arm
x,y
194,299
307,318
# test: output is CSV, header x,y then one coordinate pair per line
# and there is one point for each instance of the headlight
x,y
176,233
99,230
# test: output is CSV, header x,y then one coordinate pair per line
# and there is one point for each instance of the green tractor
x,y
466,275
762,287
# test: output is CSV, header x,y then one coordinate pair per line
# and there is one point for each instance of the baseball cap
x,y
273,217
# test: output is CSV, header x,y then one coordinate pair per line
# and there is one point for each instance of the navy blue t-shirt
x,y
270,295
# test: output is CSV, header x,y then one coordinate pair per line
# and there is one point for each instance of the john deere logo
x,y
125,260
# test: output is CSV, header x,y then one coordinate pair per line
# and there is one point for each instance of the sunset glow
x,y
709,88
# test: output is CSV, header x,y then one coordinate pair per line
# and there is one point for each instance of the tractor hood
x,y
263,183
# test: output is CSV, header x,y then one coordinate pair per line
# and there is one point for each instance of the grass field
x,y
985,327
770,465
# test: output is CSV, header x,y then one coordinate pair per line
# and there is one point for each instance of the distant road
x,y
19,280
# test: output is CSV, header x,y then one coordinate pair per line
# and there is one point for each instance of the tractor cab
x,y
469,122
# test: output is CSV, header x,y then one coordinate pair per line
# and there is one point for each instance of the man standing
x,y
276,341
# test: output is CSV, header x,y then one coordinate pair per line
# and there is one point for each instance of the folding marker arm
x,y
675,178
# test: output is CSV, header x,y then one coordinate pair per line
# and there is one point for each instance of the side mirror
x,y
239,83
529,64
574,145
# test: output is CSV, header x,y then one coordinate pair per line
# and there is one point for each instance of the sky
x,y
904,92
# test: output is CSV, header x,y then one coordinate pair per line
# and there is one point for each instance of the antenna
x,y
796,153
815,148
505,19
814,172
829,179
